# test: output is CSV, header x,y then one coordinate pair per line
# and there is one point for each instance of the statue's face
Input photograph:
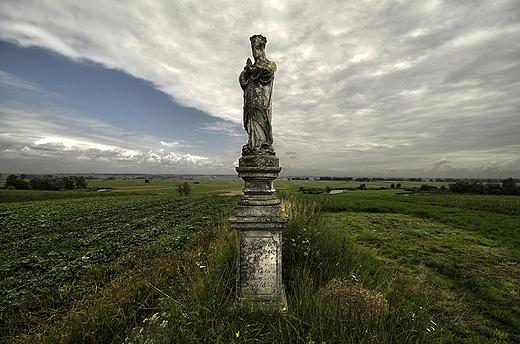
x,y
258,49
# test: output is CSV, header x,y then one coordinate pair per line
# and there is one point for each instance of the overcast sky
x,y
364,88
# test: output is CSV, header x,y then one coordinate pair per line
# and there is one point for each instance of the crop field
x,y
47,243
140,263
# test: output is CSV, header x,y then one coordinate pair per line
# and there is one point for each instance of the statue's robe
x,y
258,88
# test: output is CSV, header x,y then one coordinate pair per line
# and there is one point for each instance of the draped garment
x,y
257,82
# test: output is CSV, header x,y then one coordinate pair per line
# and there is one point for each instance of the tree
x,y
54,184
509,187
79,182
37,183
328,189
18,184
464,186
492,188
392,186
68,183
184,189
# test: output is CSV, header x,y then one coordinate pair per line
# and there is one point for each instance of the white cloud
x,y
76,149
359,84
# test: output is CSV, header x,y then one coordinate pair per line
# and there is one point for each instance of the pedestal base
x,y
259,221
259,269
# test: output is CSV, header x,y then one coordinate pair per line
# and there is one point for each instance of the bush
x,y
16,183
426,187
184,189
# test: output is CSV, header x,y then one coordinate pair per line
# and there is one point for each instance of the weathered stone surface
x,y
259,218
257,82
259,267
259,161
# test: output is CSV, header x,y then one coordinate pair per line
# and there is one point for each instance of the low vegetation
x,y
460,251
363,266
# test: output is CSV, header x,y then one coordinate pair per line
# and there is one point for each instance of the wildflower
x,y
237,334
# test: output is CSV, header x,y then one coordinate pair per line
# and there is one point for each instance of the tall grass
x,y
336,294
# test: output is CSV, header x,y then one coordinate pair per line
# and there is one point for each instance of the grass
x,y
167,186
462,252
465,275
336,293
128,187
363,266
470,212
198,187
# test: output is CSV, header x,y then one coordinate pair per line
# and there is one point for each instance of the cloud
x,y
75,147
440,162
228,128
360,86
9,82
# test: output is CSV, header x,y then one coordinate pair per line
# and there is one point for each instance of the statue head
x,y
258,46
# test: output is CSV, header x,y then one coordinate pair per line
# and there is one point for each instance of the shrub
x,y
184,189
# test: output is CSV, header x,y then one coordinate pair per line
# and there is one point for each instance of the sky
x,y
363,88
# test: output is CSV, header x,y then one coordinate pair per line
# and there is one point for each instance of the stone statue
x,y
259,218
257,81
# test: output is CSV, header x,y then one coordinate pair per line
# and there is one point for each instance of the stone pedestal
x,y
259,221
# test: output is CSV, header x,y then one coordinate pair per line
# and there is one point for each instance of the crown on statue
x,y
258,38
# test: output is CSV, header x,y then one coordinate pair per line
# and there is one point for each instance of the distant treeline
x,y
508,187
395,179
45,183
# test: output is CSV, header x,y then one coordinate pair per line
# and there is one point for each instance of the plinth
x,y
259,221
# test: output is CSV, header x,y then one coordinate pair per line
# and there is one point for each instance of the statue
x,y
259,218
257,81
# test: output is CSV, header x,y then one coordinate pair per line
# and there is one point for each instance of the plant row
x,y
48,243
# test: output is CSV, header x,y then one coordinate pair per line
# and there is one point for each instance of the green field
x,y
140,262
461,251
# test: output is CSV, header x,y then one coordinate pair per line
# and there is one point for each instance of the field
x,y
461,252
138,262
